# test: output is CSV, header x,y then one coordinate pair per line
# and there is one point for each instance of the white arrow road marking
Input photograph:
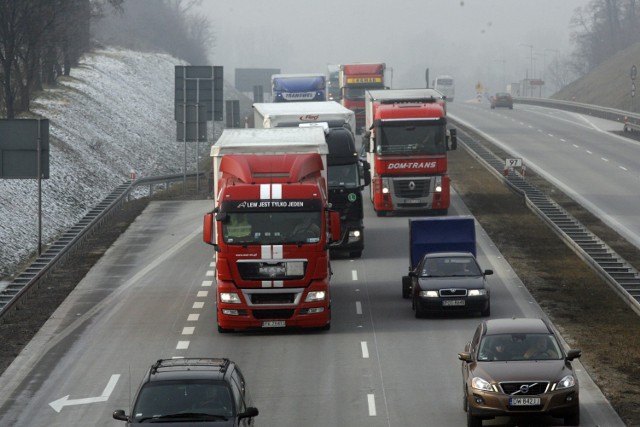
x,y
65,401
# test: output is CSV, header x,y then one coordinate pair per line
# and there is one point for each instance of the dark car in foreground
x,y
502,99
448,282
517,366
192,392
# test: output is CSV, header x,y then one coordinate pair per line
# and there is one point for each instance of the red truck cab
x,y
271,230
408,147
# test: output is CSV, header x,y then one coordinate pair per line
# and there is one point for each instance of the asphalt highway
x,y
153,296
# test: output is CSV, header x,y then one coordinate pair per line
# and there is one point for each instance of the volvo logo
x,y
412,185
524,388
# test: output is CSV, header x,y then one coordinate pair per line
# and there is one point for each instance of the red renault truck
x,y
355,80
407,144
271,228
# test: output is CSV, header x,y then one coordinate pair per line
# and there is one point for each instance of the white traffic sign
x,y
57,405
513,163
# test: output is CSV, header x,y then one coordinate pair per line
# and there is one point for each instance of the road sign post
x,y
198,99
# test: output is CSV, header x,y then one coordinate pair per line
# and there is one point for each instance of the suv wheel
x,y
573,419
465,402
473,421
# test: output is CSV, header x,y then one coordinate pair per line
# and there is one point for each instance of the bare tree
x,y
602,28
171,26
40,40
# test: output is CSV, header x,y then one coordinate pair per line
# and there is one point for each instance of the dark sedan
x,y
502,99
448,282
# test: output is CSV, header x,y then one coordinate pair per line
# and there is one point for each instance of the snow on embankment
x,y
113,114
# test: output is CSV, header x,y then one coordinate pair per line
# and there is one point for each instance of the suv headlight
x,y
229,298
566,382
477,292
315,296
481,384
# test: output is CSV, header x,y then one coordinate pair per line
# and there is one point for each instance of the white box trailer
x,y
276,141
272,115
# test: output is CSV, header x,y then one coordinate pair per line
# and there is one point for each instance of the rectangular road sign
x,y
19,140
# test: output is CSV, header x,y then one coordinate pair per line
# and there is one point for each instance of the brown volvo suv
x,y
517,366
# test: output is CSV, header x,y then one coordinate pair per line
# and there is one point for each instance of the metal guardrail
x,y
628,120
74,238
618,273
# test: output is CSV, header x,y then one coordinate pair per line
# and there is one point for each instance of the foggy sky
x,y
472,40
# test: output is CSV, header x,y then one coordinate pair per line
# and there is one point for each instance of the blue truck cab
x,y
444,275
298,87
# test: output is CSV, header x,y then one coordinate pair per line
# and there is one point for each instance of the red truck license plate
x,y
274,324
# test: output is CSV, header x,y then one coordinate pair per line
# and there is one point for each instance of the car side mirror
x,y
249,413
573,354
465,356
119,414
488,272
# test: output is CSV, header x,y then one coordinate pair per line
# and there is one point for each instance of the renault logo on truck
x,y
411,165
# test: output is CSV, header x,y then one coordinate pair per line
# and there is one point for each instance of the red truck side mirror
x,y
335,225
453,138
207,229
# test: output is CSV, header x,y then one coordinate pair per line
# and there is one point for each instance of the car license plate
x,y
524,401
274,324
413,201
453,302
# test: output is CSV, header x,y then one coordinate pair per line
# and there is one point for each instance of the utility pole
x,y
531,51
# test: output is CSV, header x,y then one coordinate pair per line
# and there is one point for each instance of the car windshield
x,y
450,267
197,399
514,347
242,228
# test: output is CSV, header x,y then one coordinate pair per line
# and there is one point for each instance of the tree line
x,y
41,40
600,29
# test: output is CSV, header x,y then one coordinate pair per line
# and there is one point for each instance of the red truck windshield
x,y
411,137
271,228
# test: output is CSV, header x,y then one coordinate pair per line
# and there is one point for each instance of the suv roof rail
x,y
221,362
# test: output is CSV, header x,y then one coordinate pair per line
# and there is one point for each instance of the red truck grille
x,y
269,298
411,188
273,314
265,270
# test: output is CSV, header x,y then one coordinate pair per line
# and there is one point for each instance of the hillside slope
x,y
113,114
609,84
